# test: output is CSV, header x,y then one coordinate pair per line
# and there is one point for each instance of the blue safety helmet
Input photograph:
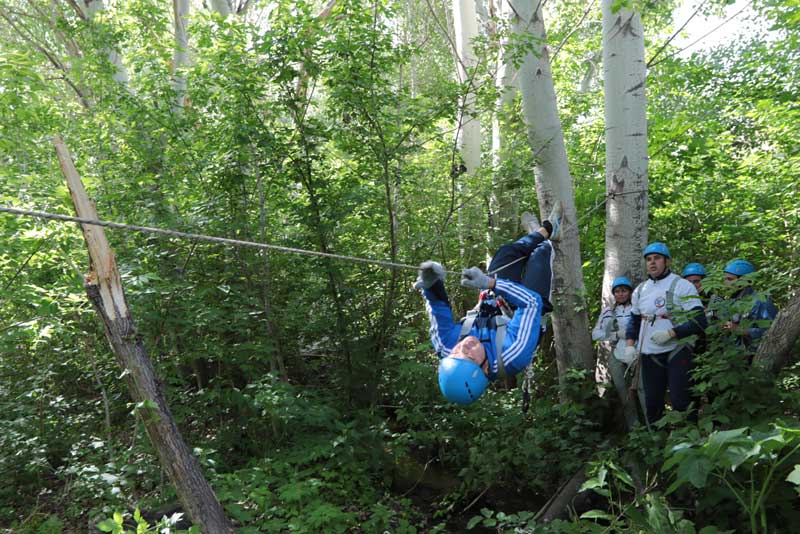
x,y
621,281
657,248
461,381
739,267
696,269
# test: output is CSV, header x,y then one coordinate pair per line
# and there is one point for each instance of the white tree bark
x,y
181,55
468,134
504,202
223,7
553,182
624,72
88,10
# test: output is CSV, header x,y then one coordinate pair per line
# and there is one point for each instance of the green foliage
x,y
307,385
117,525
749,465
321,473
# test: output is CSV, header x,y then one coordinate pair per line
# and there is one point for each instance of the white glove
x,y
429,273
662,337
474,277
621,334
630,353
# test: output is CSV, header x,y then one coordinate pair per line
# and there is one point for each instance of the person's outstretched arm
x,y
444,330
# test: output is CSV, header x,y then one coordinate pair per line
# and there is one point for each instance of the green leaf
x,y
597,514
474,521
719,439
109,525
738,454
794,476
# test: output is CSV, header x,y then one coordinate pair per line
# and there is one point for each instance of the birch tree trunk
x,y
504,202
181,55
468,134
88,9
553,182
223,7
104,288
624,75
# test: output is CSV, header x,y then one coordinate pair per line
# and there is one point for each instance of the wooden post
x,y
104,288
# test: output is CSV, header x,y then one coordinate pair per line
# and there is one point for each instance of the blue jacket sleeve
x,y
444,331
695,324
632,332
763,310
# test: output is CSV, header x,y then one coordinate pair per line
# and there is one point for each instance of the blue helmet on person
x,y
695,269
461,381
657,248
621,281
739,267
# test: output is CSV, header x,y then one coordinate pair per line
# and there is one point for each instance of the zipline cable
x,y
242,243
199,237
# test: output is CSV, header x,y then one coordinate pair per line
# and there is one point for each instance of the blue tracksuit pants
x,y
535,273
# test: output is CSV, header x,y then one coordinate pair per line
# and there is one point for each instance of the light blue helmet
x,y
461,381
696,269
739,267
621,281
657,248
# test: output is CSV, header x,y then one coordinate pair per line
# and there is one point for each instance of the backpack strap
x,y
499,337
498,324
466,324
638,291
671,305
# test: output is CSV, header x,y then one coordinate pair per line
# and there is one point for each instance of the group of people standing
x,y
653,324
661,324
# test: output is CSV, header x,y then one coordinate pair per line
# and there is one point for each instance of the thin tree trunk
x,y
504,201
223,7
624,75
273,329
775,347
88,10
181,55
104,288
553,182
465,24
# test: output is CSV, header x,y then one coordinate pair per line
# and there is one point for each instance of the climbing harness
x,y
491,313
670,301
672,306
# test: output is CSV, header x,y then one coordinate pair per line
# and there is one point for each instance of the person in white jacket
x,y
613,321
665,310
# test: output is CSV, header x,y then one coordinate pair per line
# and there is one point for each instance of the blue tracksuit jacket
x,y
522,333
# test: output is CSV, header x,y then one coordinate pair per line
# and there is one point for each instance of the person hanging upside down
x,y
475,351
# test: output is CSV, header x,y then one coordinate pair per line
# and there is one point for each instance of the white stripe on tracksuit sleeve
x,y
522,333
444,330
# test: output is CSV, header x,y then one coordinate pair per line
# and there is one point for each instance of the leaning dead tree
x,y
104,288
775,348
